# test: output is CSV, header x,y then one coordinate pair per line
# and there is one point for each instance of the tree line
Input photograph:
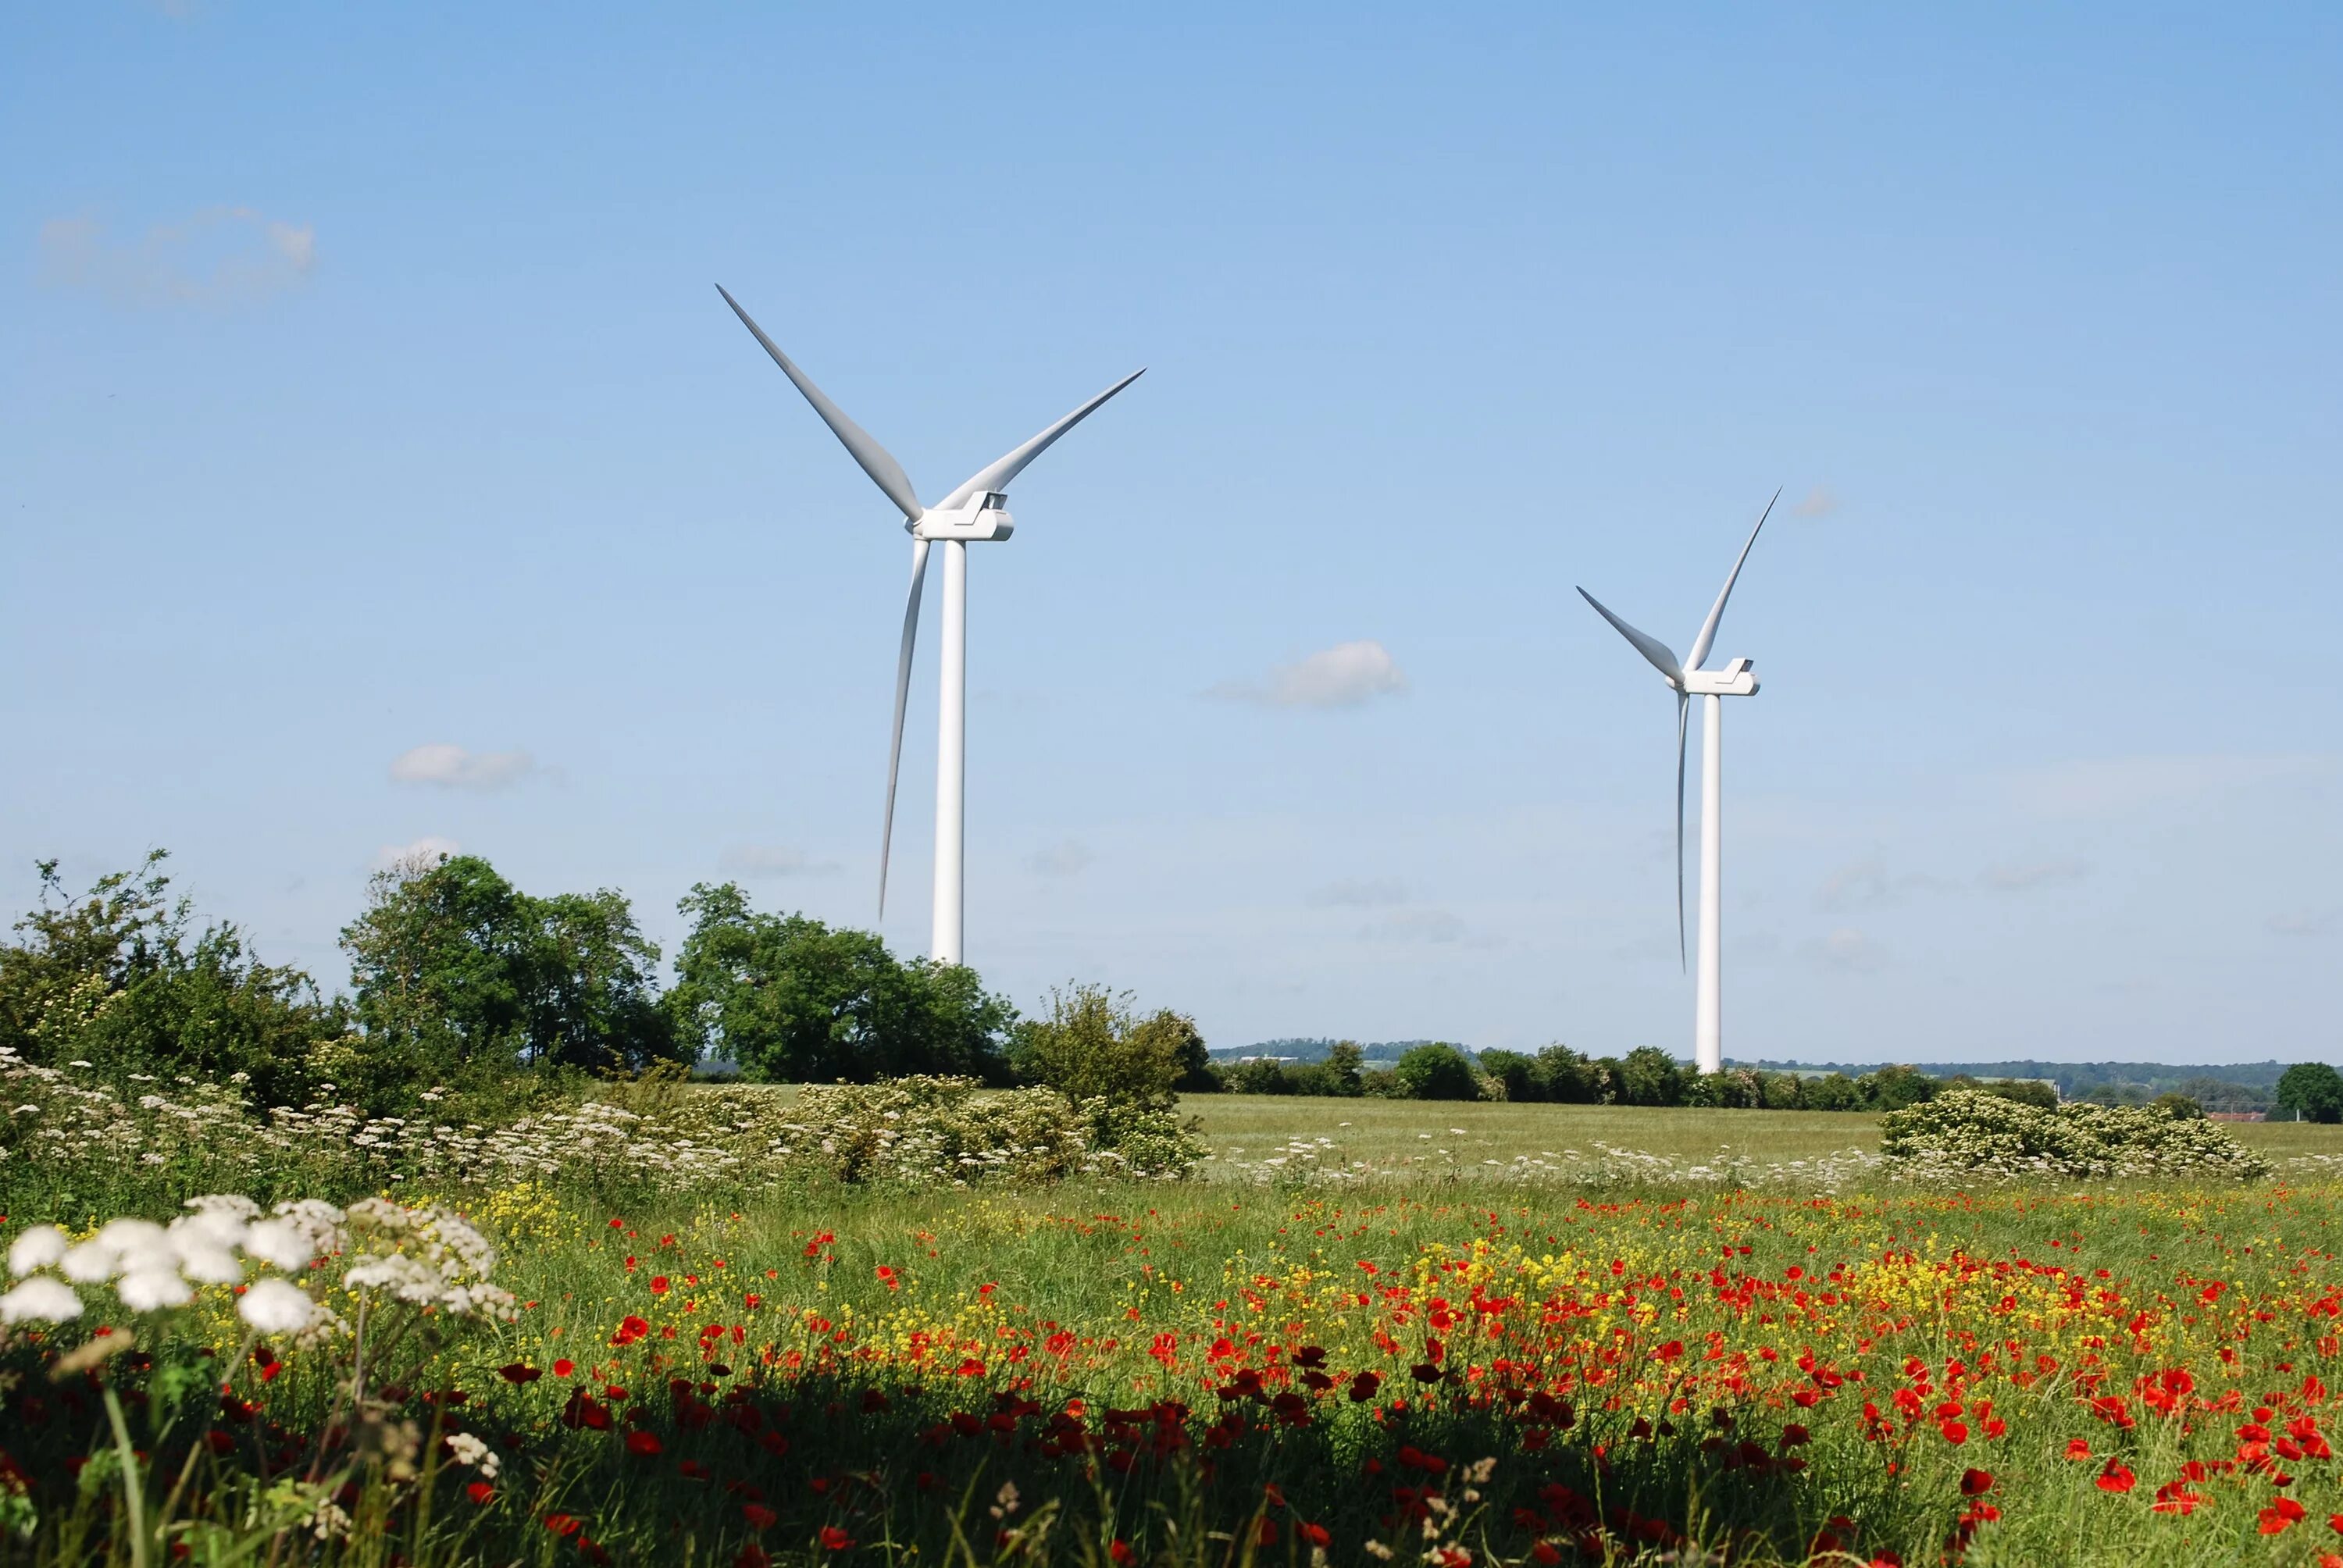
x,y
459,979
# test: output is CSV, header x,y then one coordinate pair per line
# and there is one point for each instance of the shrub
x,y
1895,1088
1262,1075
1570,1079
1965,1133
1833,1091
1649,1075
1341,1076
1436,1071
1514,1076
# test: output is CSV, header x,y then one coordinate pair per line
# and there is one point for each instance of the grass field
x,y
1112,1374
1399,1134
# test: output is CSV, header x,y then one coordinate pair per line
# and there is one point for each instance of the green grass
x,y
1248,1126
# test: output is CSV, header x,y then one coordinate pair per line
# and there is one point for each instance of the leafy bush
x,y
1964,1133
1436,1071
1092,1044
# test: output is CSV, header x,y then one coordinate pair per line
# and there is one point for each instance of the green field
x,y
1428,1135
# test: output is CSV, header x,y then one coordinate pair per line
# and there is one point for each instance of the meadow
x,y
1429,1359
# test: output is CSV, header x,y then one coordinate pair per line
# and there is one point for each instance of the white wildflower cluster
x,y
428,1257
915,1131
153,1267
1965,1136
473,1453
1319,1161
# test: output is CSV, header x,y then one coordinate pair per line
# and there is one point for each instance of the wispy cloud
x,y
2025,877
2099,787
1064,858
1343,675
453,768
426,852
1868,884
220,256
1416,926
1845,950
774,860
1819,502
1360,893
2302,922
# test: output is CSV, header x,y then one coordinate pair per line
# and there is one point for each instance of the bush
x,y
1649,1075
1514,1076
1964,1133
1568,1078
2179,1107
1092,1045
1436,1071
1833,1091
1262,1075
1341,1076
1895,1088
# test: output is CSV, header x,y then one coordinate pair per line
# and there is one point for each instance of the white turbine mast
x,y
977,510
1688,680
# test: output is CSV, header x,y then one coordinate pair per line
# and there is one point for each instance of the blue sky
x,y
362,389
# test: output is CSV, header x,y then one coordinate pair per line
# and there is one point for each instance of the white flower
x,y
91,1263
35,1249
40,1300
275,1307
278,1242
152,1290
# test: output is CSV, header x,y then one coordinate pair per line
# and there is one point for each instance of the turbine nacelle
x,y
984,517
1738,678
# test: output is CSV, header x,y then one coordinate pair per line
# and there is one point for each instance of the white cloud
x,y
220,256
1343,675
1060,859
2027,877
1416,926
1848,950
1361,893
1820,502
453,768
774,860
427,850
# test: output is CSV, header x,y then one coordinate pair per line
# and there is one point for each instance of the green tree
x,y
123,979
1091,1042
1893,1088
1783,1091
1262,1075
460,975
1832,1092
1649,1075
1516,1075
2312,1091
1568,1078
1436,1071
793,1000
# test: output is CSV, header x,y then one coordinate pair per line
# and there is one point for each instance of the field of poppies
x,y
1428,1369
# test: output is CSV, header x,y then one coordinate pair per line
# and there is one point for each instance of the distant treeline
x,y
2245,1086
1559,1075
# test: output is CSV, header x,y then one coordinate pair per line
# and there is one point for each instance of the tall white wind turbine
x,y
1688,680
977,510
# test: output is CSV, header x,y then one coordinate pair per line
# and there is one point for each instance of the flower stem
x,y
134,1497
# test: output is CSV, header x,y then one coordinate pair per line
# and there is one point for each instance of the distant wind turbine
x,y
1687,680
977,510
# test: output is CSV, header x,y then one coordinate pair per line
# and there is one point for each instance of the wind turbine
x,y
1688,680
976,511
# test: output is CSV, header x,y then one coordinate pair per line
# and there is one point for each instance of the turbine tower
x,y
1688,680
976,511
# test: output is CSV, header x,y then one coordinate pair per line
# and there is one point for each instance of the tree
x,y
793,1000
2312,1091
122,979
1262,1075
1436,1071
1568,1078
1091,1044
458,974
1649,1075
1895,1088
1516,1075
1833,1092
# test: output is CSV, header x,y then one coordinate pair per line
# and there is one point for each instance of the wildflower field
x,y
1414,1363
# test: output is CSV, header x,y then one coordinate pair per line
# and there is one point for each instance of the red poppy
x,y
2174,1497
833,1539
2077,1449
759,1516
1975,1483
1122,1553
1315,1534
659,1284
2282,1515
481,1492
642,1443
514,1371
564,1367
1265,1534
2117,1477
1956,1432
563,1523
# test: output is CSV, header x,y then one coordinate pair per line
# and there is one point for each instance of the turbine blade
x,y
876,460
903,692
1681,700
999,474
1701,644
1651,648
